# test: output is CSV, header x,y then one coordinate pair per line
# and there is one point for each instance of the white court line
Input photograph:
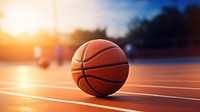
x,y
146,81
69,101
18,83
70,82
54,87
9,88
61,83
156,80
159,95
151,86
36,85
122,92
134,85
174,81
165,87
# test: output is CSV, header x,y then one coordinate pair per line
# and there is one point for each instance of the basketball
x,y
43,63
99,67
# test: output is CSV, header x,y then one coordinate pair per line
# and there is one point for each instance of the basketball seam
x,y
76,60
83,71
102,66
100,79
99,53
96,54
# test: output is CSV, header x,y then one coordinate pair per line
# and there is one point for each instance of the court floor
x,y
149,87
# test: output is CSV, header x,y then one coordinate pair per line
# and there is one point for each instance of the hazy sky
x,y
31,15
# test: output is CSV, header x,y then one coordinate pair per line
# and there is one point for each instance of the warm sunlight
x,y
21,16
23,72
25,85
21,19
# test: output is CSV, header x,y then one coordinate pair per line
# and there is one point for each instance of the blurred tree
x,y
170,28
138,31
79,36
192,19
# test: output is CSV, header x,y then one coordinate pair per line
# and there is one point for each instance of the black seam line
x,y
100,79
96,54
83,70
99,53
102,66
78,61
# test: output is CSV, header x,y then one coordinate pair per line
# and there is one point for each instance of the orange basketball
x,y
99,67
43,63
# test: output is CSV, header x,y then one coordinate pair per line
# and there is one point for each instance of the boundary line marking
x,y
122,92
159,95
164,87
69,101
129,93
156,80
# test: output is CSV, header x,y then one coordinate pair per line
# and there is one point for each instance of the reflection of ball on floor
x,y
99,67
43,63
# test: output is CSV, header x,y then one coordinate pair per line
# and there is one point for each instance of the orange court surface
x,y
150,87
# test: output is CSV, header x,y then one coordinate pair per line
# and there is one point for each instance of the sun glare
x,y
24,72
20,19
25,86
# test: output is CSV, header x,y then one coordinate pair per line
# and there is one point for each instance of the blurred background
x,y
144,29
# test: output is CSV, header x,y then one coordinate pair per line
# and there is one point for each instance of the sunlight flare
x,y
21,19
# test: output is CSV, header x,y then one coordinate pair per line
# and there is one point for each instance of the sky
x,y
20,16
